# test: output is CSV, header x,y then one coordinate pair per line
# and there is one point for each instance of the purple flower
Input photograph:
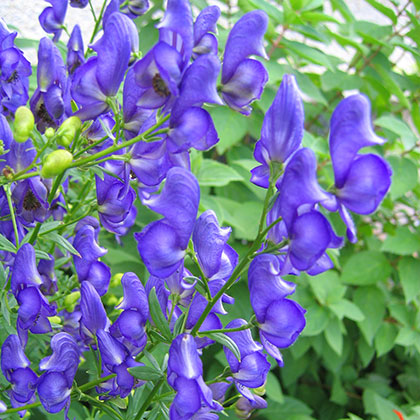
x,y
185,371
52,18
55,384
204,28
243,79
87,265
14,72
80,4
162,244
251,371
101,76
282,130
75,51
15,368
48,100
361,181
280,320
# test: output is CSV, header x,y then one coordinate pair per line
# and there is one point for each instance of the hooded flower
x,y
361,181
282,130
52,18
243,79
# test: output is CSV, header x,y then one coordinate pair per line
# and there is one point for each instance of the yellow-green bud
x,y
116,279
67,131
111,300
260,390
24,124
56,163
1,147
71,300
55,319
49,132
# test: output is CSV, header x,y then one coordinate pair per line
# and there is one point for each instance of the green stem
x,y
226,330
120,146
245,260
35,232
149,399
193,257
97,24
102,406
12,214
25,176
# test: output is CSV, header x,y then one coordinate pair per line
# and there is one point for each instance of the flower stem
x,y
12,214
149,399
226,330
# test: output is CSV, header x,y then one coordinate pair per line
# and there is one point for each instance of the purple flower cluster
x,y
135,121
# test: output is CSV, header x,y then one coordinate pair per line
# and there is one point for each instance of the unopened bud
x,y
111,300
55,319
8,172
49,132
1,147
71,300
56,163
67,131
116,279
24,124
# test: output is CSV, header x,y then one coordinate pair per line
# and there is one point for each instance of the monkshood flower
x,y
185,375
132,8
97,132
190,125
6,137
93,314
244,408
54,386
101,76
176,29
361,181
162,243
75,50
252,370
15,368
47,102
117,359
243,79
204,29
217,259
282,130
52,18
115,203
87,265
129,326
280,320
308,231
15,70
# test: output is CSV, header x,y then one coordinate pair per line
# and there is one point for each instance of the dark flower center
x,y
13,78
159,86
30,202
43,115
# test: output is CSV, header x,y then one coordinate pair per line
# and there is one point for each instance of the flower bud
x,y
116,279
24,124
67,131
1,147
56,163
49,132
71,300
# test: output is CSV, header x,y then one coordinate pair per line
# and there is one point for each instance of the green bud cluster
x,y
24,124
56,162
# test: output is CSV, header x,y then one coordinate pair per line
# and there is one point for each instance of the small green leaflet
x,y
226,341
157,315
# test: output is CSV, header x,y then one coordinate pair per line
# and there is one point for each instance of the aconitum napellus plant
x,y
105,135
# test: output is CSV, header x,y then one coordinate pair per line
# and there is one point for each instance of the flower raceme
x,y
114,130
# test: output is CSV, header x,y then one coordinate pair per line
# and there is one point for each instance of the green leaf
x,y
157,315
404,242
145,373
327,287
399,127
316,320
178,325
388,12
348,309
313,55
337,79
366,267
372,32
334,336
6,245
230,125
215,174
379,406
41,255
404,176
408,270
371,301
385,338
407,337
63,242
309,88
226,341
273,388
